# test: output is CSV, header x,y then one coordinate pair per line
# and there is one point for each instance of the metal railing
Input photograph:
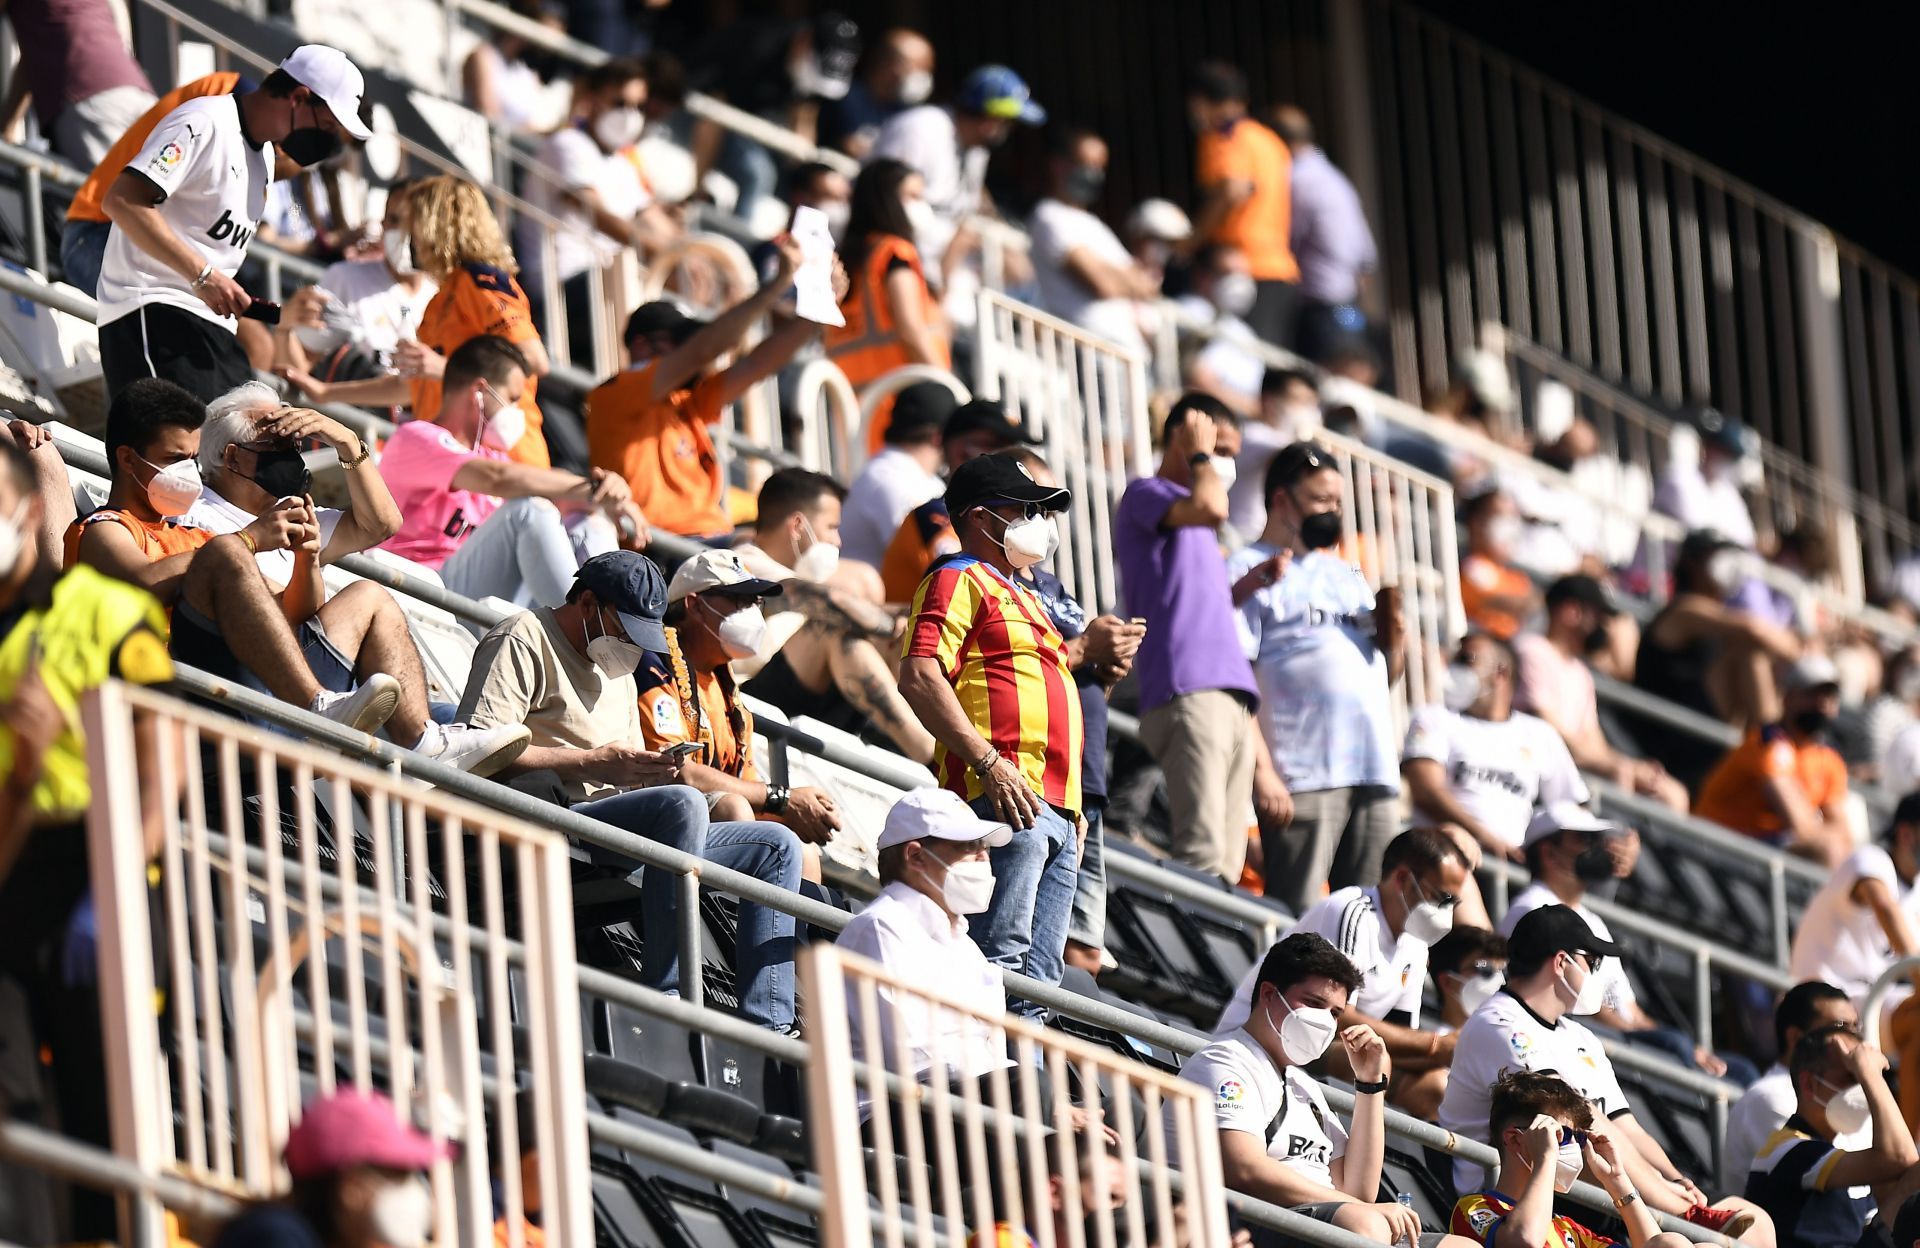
x,y
1003,1169
1874,1006
360,875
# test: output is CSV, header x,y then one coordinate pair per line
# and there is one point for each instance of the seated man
x,y
345,327
567,673
451,473
974,429
1468,965
1385,931
1498,597
1570,850
1279,1140
821,656
687,694
1555,973
649,425
905,474
1784,783
1820,1194
1545,1133
1765,1106
349,658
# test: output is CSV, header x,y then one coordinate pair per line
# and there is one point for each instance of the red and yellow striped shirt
x,y
1007,664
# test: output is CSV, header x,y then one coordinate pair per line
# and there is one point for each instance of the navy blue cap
x,y
996,91
631,584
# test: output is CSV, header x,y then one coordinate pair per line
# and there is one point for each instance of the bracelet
x,y
206,273
778,795
253,547
1621,1202
1370,1089
984,765
366,449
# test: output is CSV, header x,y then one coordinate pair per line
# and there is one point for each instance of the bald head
x,y
1293,126
902,55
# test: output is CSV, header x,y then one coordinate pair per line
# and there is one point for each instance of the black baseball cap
x,y
922,406
1555,929
663,316
986,416
1703,544
999,479
1584,590
631,584
1907,812
1294,461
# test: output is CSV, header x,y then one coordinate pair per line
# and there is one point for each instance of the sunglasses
x,y
1572,1135
1439,897
1482,970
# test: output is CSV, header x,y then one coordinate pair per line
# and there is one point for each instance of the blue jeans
x,y
1024,928
1089,923
676,815
83,244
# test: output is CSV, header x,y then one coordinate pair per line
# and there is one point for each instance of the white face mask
x,y
740,634
13,539
1504,530
613,656
504,429
921,216
1847,1109
837,213
1477,990
967,887
1591,996
1234,293
819,560
1027,541
1306,1032
1427,921
619,128
916,87
1727,570
1463,687
401,1214
173,489
397,247
1226,469
1567,1166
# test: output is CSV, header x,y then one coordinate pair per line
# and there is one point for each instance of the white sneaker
x,y
477,751
366,708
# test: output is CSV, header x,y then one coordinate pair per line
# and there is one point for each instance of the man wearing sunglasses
x,y
1385,931
1557,968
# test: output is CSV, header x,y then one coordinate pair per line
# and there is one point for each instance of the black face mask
x,y
310,145
1320,530
283,474
1593,865
1083,185
1813,722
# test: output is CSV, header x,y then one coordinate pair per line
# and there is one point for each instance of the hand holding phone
x,y
680,751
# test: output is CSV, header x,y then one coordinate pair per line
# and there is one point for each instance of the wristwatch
x,y
1197,458
778,795
366,449
1368,1089
1621,1202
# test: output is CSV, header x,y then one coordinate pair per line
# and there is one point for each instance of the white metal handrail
x,y
1875,1004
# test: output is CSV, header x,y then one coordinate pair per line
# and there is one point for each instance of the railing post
x,y
36,223
692,942
1777,905
1816,280
1703,998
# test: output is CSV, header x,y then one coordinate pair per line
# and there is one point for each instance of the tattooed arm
x,y
840,614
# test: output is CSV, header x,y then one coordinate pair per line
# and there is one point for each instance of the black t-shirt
x,y
269,1226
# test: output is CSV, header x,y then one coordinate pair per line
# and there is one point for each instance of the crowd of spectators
x,y
912,606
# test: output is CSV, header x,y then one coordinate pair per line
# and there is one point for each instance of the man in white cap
x,y
934,872
185,209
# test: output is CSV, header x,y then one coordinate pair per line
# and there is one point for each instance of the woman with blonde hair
x,y
458,243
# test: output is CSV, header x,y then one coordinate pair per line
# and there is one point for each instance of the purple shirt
x,y
1177,580
1330,235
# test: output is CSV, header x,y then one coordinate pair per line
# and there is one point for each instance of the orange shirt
x,y
1247,151
925,535
87,204
1481,581
667,719
157,540
480,299
1734,795
869,344
663,449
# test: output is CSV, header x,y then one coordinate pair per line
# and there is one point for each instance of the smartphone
x,y
265,311
1139,620
681,751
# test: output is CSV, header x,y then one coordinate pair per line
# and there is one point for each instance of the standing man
x,y
185,209
1243,172
987,673
1196,687
1330,241
1324,652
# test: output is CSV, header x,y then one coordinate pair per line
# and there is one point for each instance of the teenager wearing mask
x,y
350,322
1555,976
1386,932
359,1181
187,206
1783,783
457,243
1468,965
893,318
1086,273
1279,1139
1325,652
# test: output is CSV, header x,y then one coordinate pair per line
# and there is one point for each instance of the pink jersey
x,y
419,465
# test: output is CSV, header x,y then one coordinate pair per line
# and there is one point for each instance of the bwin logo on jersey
x,y
227,230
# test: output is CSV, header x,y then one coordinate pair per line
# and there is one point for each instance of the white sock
x,y
433,740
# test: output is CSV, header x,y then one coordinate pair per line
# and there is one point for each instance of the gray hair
x,y
234,417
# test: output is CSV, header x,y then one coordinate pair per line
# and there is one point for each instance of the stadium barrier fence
x,y
1873,1009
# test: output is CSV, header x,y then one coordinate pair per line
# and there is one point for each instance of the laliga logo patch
x,y
666,719
1521,1042
1231,1092
169,156
1480,1219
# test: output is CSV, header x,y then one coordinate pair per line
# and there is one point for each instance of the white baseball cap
x,y
942,814
721,571
336,80
1559,817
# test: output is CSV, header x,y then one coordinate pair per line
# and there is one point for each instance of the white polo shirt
x,y
1392,970
1286,1109
1620,993
215,184
1505,1034
892,484
904,931
1499,769
1839,940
